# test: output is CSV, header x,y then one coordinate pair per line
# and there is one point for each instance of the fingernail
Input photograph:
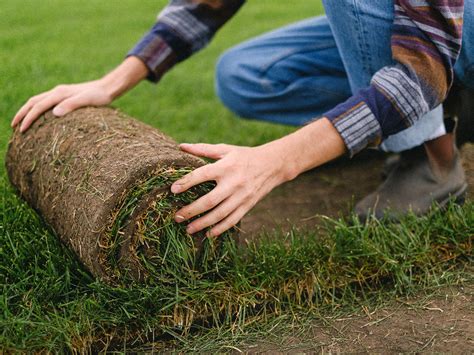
x,y
58,111
177,187
190,230
179,218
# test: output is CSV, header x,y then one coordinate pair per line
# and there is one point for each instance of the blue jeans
x,y
299,72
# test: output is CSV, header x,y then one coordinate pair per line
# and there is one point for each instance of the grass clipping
x,y
101,181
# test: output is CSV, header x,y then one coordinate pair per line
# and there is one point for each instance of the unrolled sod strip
x,y
101,180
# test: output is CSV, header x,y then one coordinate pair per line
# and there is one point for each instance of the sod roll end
x,y
100,180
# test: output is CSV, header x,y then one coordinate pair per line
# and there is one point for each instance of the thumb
x,y
69,105
212,151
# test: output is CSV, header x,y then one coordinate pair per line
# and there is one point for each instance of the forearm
x,y
307,148
123,78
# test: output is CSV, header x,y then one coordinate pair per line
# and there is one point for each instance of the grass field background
x,y
46,301
44,43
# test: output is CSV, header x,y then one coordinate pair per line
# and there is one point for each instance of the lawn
x,y
51,42
48,302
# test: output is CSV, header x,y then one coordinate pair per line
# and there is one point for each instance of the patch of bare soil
x,y
330,190
441,324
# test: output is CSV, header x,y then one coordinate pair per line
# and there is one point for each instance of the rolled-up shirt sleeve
x,y
426,42
183,28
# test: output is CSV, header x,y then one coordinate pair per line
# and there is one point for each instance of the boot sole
x,y
458,197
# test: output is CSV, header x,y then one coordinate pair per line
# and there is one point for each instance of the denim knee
x,y
339,7
230,84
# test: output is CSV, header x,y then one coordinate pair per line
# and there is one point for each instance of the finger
x,y
212,151
229,222
203,204
196,177
38,109
27,107
70,104
214,216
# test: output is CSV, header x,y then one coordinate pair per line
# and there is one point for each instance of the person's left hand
x,y
243,175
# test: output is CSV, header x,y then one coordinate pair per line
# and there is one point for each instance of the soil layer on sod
x,y
101,180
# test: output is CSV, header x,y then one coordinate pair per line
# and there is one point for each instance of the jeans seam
x,y
361,36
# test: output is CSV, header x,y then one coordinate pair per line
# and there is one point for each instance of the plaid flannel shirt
x,y
426,42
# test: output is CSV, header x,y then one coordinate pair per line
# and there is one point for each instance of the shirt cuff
x,y
156,54
357,125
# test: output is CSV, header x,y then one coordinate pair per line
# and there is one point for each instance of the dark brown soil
x,y
443,324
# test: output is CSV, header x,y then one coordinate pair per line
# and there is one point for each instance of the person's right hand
x,y
64,99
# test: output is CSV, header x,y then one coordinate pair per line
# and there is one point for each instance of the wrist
x,y
283,167
110,87
307,148
126,76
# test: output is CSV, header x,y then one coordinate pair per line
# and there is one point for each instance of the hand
x,y
243,175
64,99
67,98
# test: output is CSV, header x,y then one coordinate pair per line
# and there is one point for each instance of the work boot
x,y
460,105
412,185
450,123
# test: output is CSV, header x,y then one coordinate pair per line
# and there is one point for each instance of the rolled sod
x,y
101,180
